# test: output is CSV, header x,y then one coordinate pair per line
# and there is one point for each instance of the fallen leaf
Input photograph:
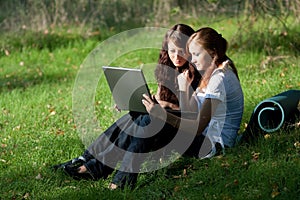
x,y
236,182
6,52
200,182
267,136
176,177
176,188
255,156
17,128
184,172
38,177
60,132
225,164
275,194
52,113
297,144
26,195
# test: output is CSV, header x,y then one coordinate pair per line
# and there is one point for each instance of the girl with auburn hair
x,y
216,47
219,97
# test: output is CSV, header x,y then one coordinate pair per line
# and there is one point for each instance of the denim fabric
x,y
119,147
105,153
131,163
97,169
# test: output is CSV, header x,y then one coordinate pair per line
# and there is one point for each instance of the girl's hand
x,y
226,64
184,80
166,104
153,108
117,108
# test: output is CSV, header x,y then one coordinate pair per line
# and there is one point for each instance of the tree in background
x,y
125,14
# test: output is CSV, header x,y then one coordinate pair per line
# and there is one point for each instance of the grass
x,y
38,130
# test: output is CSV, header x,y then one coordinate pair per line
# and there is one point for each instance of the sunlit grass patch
x,y
38,130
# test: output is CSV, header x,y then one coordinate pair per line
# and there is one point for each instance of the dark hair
x,y
216,47
166,72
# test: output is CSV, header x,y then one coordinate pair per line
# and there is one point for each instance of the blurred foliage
x,y
94,15
59,23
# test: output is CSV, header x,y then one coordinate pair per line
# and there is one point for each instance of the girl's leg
x,y
100,144
91,170
138,149
103,155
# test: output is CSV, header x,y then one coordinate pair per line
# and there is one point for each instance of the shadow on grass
x,y
269,42
22,83
42,40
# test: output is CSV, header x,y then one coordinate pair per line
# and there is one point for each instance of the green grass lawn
x,y
37,127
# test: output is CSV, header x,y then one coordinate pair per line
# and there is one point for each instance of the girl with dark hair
x,y
175,59
136,133
219,97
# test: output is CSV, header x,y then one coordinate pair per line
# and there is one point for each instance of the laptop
x,y
127,86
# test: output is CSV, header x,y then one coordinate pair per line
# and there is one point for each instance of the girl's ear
x,y
214,53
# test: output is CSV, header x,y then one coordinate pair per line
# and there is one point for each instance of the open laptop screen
x,y
127,86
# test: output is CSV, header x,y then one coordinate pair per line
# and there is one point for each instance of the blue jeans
x,y
132,133
114,147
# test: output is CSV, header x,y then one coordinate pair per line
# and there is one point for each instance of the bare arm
x,y
187,102
208,108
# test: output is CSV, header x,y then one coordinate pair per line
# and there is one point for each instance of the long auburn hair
x,y
166,72
216,47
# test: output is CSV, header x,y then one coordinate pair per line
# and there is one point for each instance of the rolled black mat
x,y
272,114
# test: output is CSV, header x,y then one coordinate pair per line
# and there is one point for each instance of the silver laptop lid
x,y
127,86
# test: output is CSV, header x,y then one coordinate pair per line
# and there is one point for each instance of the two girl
x,y
218,99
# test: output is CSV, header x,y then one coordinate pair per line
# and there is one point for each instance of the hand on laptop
x,y
117,108
166,104
153,108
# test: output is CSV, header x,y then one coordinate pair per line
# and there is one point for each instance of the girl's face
x,y
200,58
176,54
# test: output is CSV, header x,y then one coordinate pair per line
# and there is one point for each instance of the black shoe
x,y
74,173
216,150
219,149
74,163
61,165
